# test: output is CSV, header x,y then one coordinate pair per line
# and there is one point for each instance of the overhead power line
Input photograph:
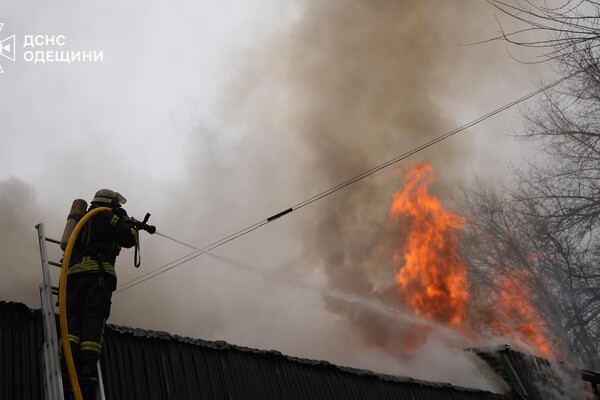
x,y
197,252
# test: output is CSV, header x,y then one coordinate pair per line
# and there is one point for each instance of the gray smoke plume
x,y
353,84
344,86
19,212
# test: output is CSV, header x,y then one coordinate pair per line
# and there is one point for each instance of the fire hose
x,y
62,300
62,292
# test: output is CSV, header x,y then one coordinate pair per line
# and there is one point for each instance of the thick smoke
x,y
350,85
19,212
356,83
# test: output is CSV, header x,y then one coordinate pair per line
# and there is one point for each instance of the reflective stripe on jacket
x,y
100,241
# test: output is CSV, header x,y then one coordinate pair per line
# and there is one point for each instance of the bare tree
x,y
558,29
507,239
554,214
566,123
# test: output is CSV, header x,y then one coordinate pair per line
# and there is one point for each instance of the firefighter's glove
x,y
139,225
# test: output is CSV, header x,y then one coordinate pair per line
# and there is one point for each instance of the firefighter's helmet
x,y
109,198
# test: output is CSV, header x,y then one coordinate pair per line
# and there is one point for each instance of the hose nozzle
x,y
148,228
143,225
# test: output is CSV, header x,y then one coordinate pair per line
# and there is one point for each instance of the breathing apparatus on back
x,y
78,210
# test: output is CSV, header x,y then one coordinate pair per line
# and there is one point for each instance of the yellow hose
x,y
62,301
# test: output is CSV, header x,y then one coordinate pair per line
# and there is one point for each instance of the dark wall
x,y
21,338
154,365
150,365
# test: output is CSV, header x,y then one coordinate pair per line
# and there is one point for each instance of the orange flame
x,y
516,316
432,278
431,275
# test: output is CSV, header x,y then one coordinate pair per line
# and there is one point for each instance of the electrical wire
x,y
181,260
199,251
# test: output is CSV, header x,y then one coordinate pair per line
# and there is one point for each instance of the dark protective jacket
x,y
100,241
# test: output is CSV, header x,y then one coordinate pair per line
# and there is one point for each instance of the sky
x,y
215,115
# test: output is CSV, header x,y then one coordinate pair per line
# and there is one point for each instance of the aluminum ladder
x,y
51,371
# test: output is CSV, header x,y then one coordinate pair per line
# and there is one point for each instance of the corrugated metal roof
x,y
148,365
156,365
21,338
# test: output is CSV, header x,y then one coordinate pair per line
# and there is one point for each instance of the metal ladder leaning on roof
x,y
53,383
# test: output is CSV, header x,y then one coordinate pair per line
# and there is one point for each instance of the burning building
x,y
141,364
430,282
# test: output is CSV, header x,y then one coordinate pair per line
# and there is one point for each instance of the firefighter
x,y
91,278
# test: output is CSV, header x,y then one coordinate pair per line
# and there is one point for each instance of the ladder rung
x,y
55,264
53,240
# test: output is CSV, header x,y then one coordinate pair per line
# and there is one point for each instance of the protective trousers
x,y
88,308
